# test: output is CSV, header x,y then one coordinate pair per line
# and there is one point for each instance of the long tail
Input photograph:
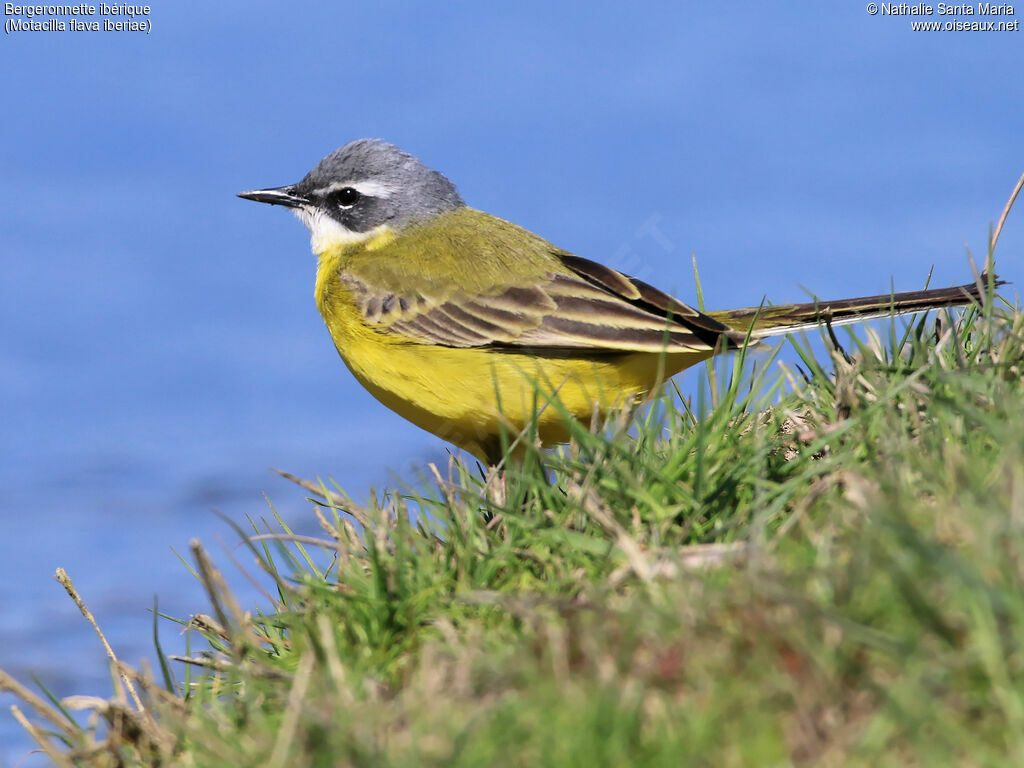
x,y
789,318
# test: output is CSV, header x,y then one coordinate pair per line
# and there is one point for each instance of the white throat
x,y
326,234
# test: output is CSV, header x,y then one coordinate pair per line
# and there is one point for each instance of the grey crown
x,y
413,192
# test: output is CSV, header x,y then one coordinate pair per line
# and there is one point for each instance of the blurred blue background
x,y
160,344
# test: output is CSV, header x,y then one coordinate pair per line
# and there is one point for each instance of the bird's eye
x,y
346,197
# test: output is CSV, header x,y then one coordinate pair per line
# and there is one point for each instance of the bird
x,y
472,327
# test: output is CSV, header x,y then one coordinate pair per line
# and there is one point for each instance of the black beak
x,y
276,196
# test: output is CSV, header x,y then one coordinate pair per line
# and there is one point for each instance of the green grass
x,y
822,567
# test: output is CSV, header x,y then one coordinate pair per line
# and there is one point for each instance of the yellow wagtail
x,y
455,318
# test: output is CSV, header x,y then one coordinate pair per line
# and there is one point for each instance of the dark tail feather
x,y
788,318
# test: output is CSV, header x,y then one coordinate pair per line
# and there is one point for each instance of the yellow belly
x,y
466,396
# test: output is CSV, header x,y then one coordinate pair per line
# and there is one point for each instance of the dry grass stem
x,y
65,581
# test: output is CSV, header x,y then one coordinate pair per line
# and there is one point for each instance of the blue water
x,y
159,346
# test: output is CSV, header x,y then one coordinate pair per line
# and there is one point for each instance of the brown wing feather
x,y
641,294
591,308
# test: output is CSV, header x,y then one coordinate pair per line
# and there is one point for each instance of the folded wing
x,y
579,307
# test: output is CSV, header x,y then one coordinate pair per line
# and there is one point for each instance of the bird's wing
x,y
577,306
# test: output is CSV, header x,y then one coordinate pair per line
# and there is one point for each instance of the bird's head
x,y
366,188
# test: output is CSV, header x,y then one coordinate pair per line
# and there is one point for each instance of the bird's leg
x,y
494,485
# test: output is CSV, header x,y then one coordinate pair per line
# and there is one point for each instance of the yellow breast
x,y
466,395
